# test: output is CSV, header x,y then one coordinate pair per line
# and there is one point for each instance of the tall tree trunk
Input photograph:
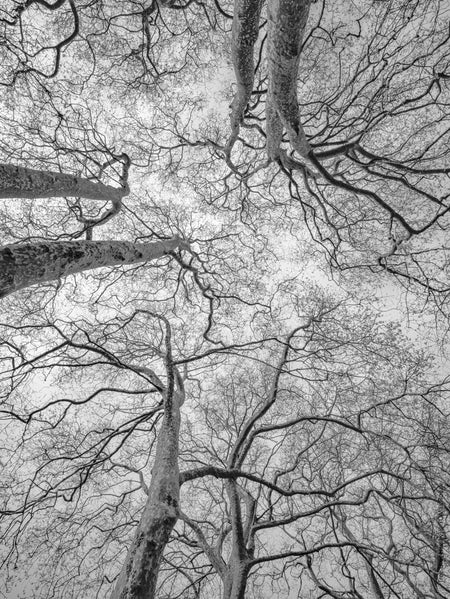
x,y
245,31
20,182
235,581
138,577
286,25
31,263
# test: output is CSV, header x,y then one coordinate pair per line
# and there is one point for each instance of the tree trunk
x,y
139,574
31,263
286,24
245,31
20,182
235,581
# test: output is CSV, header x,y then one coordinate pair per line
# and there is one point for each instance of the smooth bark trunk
x,y
235,580
33,263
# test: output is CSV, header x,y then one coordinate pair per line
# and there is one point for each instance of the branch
x,y
214,557
237,456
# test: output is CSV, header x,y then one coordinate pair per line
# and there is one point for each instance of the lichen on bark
x,y
20,182
287,21
245,31
139,574
29,264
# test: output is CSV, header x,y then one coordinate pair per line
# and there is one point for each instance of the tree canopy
x,y
224,246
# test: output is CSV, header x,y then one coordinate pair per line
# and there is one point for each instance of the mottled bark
x,y
139,574
274,129
33,263
287,21
244,35
138,577
20,182
238,567
235,581
286,25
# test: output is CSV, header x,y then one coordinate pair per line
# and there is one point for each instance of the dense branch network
x,y
405,187
310,456
344,111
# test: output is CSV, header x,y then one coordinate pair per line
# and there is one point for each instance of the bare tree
x,y
139,573
320,89
140,570
317,458
324,493
314,459
19,182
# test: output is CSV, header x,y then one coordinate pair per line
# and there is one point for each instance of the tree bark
x,y
20,182
286,25
33,263
235,581
245,31
139,574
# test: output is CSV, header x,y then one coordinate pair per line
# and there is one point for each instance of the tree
x,y
315,465
27,264
319,436
338,127
348,178
139,573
